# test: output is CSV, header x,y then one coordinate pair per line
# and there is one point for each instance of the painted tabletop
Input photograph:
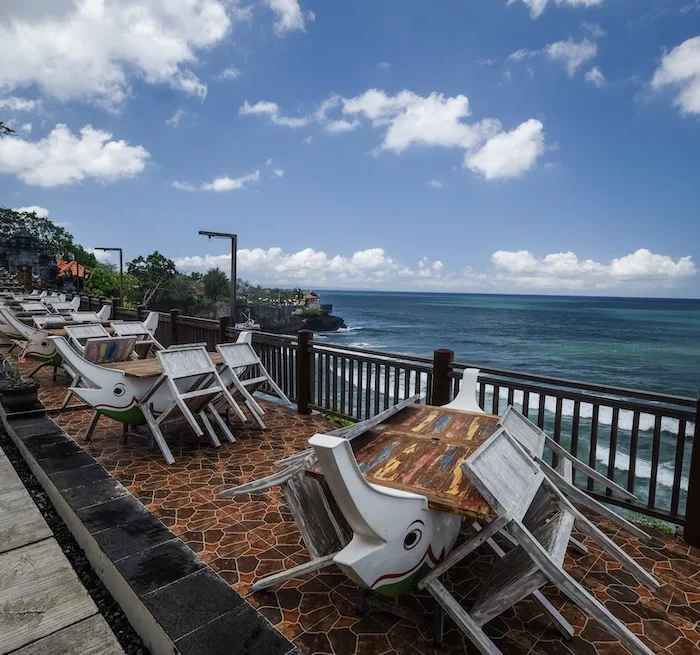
x,y
149,368
421,449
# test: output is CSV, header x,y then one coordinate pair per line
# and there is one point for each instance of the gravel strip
x,y
108,607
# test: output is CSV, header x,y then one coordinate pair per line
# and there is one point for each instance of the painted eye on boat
x,y
412,538
44,344
119,390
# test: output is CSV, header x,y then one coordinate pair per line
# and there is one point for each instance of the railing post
x,y
116,305
442,363
140,312
224,323
174,327
101,302
691,531
304,364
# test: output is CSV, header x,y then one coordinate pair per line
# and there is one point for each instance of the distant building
x,y
71,275
21,256
312,301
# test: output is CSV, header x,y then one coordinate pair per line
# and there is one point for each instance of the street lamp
x,y
121,272
234,247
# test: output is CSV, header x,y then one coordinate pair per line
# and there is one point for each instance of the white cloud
x,y
640,271
520,55
509,154
565,270
572,53
26,128
594,30
680,68
384,65
288,16
41,212
102,256
222,183
230,73
486,62
538,6
89,49
64,158
595,77
279,172
14,103
272,111
435,184
177,118
308,139
341,125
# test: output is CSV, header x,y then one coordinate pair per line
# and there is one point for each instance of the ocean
x,y
641,343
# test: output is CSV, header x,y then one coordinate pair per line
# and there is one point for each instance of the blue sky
x,y
531,146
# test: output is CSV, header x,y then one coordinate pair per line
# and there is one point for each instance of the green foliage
x,y
255,293
151,276
216,284
103,281
185,293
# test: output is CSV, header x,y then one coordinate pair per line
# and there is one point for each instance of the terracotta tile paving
x,y
254,536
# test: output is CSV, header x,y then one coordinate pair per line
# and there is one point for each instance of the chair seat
x,y
252,382
516,575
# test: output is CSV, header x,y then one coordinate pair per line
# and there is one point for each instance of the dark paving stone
x,y
156,567
51,446
80,476
132,537
85,495
112,514
191,603
241,631
65,462
33,426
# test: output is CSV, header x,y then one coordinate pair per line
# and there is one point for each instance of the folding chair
x,y
535,441
85,317
34,308
540,520
79,334
151,322
241,357
194,384
466,397
75,303
100,350
48,321
105,312
146,342
65,308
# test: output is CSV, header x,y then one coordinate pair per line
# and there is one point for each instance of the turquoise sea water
x,y
651,344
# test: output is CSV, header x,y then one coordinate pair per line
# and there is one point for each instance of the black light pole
x,y
234,249
121,272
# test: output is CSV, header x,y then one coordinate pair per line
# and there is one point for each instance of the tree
x,y
103,281
152,275
5,130
216,284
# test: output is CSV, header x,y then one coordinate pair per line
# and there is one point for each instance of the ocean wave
x,y
665,475
351,328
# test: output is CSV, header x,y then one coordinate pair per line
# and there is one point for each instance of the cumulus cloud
x,y
223,183
565,270
595,77
62,157
230,73
509,154
289,16
374,267
102,256
538,6
88,50
572,53
41,212
680,68
408,120
279,172
14,103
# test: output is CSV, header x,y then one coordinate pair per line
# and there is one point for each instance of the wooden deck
x,y
44,608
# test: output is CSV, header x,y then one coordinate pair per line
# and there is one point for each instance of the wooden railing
x,y
643,440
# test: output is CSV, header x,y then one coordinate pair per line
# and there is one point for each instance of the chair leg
x,y
438,626
73,383
209,428
221,423
158,435
35,369
277,579
91,428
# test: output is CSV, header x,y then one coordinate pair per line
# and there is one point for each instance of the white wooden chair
x,y
535,441
540,519
48,321
75,303
466,398
85,317
146,342
62,307
151,322
34,308
100,350
194,384
79,334
105,312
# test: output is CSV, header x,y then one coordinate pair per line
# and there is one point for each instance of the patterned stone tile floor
x,y
254,536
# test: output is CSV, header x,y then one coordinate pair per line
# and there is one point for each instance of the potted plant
x,y
17,395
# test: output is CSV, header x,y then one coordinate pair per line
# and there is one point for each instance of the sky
x,y
517,146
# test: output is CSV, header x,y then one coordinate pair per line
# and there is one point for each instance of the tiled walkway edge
x,y
175,602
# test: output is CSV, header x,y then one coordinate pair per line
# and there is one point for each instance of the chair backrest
x,y
105,312
47,320
34,307
185,362
238,355
181,346
81,333
505,474
62,307
130,328
527,433
107,350
84,317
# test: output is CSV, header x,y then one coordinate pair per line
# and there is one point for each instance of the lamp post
x,y
234,248
121,272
